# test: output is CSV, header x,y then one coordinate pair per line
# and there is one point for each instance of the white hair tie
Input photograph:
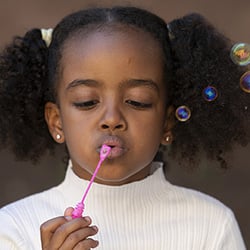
x,y
47,35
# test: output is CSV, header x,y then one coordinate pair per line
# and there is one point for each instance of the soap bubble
x,y
210,93
245,82
183,113
240,54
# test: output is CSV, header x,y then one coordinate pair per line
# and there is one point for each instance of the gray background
x,y
232,187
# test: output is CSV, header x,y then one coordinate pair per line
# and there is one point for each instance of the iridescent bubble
x,y
240,54
210,93
183,113
245,82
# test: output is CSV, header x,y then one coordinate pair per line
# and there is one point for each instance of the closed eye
x,y
86,105
139,105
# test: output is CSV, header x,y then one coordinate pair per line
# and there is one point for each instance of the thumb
x,y
68,212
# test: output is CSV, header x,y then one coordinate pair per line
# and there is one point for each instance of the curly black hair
x,y
196,55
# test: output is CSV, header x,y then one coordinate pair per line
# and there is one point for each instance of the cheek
x,y
72,125
148,132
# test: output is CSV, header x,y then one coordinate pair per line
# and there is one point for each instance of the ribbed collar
x,y
74,187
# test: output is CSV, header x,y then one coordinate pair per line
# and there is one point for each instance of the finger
x,y
86,244
55,231
68,212
78,236
48,228
64,230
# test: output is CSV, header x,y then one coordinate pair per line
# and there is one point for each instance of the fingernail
x,y
87,219
68,218
95,228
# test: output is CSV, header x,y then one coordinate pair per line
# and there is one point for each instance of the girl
x,y
122,77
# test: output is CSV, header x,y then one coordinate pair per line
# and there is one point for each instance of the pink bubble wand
x,y
78,211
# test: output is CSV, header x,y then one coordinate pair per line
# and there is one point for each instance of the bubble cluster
x,y
183,113
245,82
240,54
210,93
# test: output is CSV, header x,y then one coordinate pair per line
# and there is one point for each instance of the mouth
x,y
117,146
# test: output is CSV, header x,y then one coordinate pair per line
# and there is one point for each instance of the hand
x,y
66,233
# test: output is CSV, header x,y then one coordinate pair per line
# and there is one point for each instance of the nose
x,y
113,119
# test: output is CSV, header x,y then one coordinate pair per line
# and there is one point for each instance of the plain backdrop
x,y
231,17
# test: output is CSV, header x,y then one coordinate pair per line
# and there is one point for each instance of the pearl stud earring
x,y
58,137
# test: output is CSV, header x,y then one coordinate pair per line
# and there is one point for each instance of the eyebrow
x,y
141,82
130,83
85,82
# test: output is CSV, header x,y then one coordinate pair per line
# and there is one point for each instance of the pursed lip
x,y
117,145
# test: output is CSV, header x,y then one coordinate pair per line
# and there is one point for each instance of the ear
x,y
53,119
167,137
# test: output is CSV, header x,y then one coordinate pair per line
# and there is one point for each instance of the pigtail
x,y
23,79
201,58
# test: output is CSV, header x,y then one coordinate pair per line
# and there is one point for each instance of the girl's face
x,y
111,91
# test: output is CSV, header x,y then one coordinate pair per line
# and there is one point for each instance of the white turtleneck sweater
x,y
148,214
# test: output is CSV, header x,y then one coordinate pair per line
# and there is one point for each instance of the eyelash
x,y
92,103
139,105
86,105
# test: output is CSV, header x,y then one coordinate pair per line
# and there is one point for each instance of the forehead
x,y
130,50
112,29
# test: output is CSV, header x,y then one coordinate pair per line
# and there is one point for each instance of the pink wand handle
x,y
78,211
